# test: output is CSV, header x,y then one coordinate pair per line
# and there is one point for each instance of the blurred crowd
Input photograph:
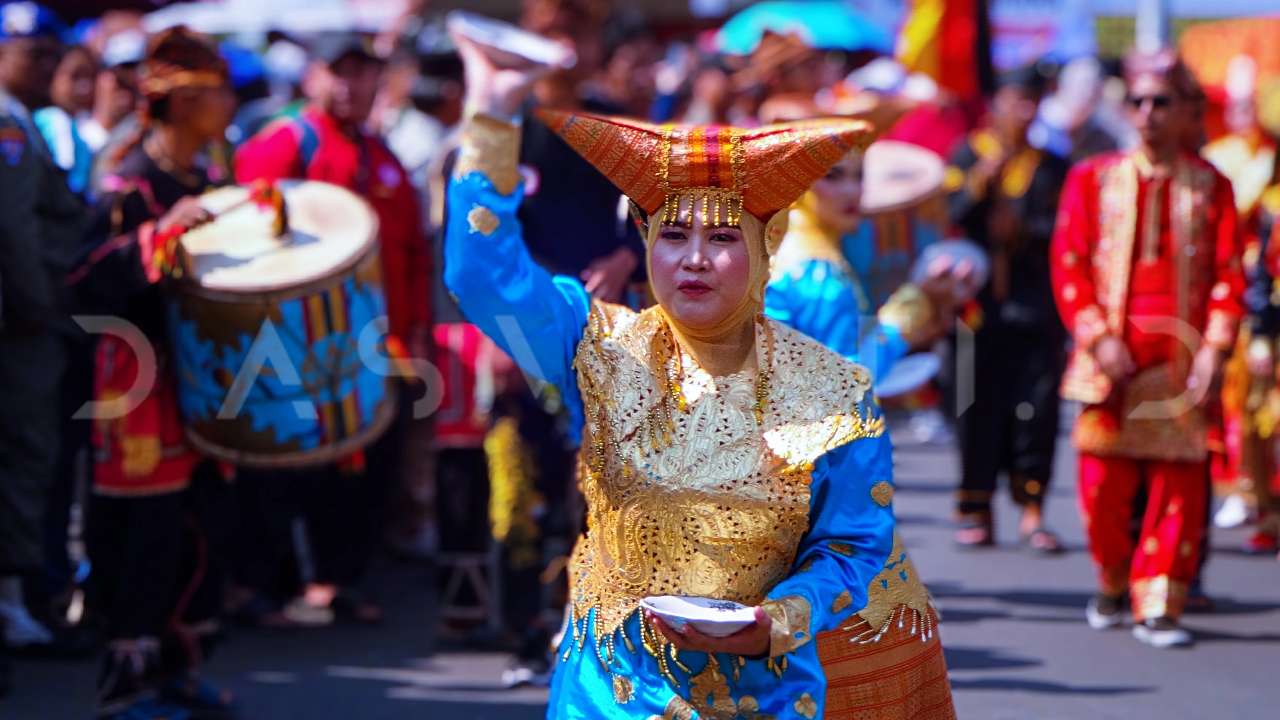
x,y
484,487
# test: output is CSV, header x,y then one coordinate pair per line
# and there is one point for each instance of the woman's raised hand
x,y
493,89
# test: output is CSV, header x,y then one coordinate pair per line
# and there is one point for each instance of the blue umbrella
x,y
824,24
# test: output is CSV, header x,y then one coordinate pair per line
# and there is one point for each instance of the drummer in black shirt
x,y
152,518
1003,194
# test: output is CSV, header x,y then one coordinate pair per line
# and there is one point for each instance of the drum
x,y
905,209
279,342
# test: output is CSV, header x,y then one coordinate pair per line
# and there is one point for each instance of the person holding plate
x,y
815,290
725,456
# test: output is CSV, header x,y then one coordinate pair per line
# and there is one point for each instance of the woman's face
x,y
837,196
700,274
73,83
206,110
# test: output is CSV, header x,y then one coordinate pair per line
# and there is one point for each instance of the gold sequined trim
x,y
896,593
677,709
623,692
482,220
910,311
490,147
1158,596
841,548
806,706
790,623
882,493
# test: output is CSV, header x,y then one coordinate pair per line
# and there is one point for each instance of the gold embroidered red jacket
x,y
1132,249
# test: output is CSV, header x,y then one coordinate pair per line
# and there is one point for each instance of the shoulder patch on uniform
x,y
13,142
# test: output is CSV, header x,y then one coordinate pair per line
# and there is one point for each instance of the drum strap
x,y
308,143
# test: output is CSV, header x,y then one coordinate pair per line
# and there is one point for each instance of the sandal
x,y
350,604
202,699
975,531
258,611
1042,541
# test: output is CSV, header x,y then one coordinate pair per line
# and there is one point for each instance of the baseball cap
x,y
329,48
28,19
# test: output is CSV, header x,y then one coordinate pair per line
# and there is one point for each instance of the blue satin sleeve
x,y
850,534
822,301
535,317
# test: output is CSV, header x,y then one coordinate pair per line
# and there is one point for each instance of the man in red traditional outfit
x,y
1147,278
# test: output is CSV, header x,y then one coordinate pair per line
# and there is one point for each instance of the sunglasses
x,y
1158,102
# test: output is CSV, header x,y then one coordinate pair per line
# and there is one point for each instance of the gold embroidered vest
x,y
703,500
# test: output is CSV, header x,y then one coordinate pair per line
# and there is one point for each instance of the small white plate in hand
x,y
709,616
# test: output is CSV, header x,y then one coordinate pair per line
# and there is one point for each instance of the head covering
x,y
718,172
329,48
1164,64
124,48
178,58
28,20
724,170
1029,78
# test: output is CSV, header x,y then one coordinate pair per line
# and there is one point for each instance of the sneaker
x,y
20,628
1261,543
1105,611
149,709
1233,513
1162,632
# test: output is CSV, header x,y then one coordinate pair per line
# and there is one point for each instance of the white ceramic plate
x,y
717,618
510,40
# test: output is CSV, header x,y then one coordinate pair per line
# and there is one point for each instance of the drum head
x,y
330,229
898,175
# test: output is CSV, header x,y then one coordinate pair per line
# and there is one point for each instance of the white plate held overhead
x,y
513,46
717,618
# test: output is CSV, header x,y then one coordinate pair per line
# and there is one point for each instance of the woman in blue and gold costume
x,y
724,454
890,673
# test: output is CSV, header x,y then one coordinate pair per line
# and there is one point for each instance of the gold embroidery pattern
x,y
789,628
677,709
490,147
1158,596
841,548
896,592
882,493
623,692
1112,258
482,220
911,311
806,706
842,601
700,500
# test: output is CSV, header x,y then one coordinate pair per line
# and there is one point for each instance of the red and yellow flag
x,y
949,41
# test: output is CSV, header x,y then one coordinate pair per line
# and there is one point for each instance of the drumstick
x,y
263,192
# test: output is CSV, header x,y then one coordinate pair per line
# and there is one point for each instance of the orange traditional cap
x,y
762,170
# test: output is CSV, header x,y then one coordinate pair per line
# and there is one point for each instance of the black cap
x,y
1033,78
329,48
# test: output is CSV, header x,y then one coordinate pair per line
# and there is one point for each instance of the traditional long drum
x,y
279,337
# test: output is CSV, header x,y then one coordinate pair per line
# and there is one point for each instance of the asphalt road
x,y
1013,628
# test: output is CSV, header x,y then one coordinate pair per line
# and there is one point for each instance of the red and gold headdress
x,y
180,58
721,170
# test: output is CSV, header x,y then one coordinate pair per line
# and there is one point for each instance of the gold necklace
x,y
673,366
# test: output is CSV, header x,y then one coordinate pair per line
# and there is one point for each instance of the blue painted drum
x,y
279,342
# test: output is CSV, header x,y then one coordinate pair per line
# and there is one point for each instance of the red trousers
x,y
1157,571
